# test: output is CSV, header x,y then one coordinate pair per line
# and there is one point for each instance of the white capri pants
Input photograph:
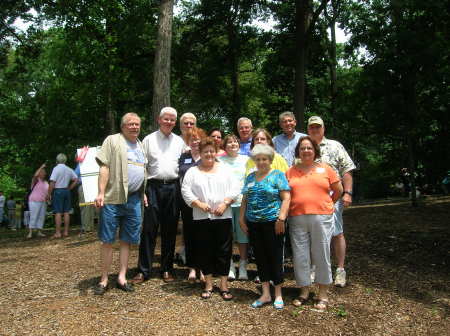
x,y
38,211
310,240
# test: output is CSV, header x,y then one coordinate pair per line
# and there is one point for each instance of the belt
x,y
163,181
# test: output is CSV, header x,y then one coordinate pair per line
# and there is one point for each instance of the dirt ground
x,y
397,266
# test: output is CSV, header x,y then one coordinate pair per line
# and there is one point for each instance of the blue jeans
x,y
126,216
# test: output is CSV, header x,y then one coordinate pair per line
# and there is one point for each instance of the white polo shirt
x,y
62,175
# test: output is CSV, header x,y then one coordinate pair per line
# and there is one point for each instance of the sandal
x,y
259,304
226,295
278,304
321,305
206,294
299,302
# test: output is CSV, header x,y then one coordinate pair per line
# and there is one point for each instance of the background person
x,y
245,129
87,211
62,180
11,206
121,187
262,137
216,134
236,164
286,142
311,219
187,160
263,214
187,122
209,188
334,154
2,207
37,201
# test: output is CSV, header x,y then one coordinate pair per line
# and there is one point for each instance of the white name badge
x,y
251,184
320,170
188,160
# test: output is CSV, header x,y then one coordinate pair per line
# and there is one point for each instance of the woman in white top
x,y
236,164
209,189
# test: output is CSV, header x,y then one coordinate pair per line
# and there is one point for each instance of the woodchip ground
x,y
398,272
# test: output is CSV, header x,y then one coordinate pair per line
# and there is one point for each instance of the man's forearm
x,y
347,182
103,179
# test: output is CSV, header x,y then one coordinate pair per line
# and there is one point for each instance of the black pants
x,y
268,248
162,212
188,234
213,245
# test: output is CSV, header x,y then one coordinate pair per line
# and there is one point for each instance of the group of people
x,y
247,188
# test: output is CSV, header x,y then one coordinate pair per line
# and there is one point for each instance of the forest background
x,y
67,79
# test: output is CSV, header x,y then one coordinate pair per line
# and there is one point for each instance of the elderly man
x,y
121,186
286,142
334,154
245,129
163,149
62,180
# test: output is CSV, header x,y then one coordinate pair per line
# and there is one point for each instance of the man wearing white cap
x,y
333,153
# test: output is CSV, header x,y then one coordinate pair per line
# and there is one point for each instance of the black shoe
x,y
126,287
99,289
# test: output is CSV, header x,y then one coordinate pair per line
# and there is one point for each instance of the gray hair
x,y
261,149
188,115
127,116
244,119
286,114
168,110
61,158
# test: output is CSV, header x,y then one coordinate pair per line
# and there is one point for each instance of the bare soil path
x,y
398,271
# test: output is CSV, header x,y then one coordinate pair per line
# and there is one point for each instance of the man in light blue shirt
x,y
286,142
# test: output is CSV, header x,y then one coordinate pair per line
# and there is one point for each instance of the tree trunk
x,y
301,18
233,58
333,61
110,111
161,71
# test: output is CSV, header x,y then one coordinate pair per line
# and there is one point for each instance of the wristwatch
x,y
347,192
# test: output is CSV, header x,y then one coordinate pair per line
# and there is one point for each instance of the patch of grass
x,y
340,311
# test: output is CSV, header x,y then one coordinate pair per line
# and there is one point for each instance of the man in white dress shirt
x,y
163,149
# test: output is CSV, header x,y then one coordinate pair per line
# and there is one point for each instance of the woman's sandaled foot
x,y
321,305
226,295
206,294
56,236
260,303
278,304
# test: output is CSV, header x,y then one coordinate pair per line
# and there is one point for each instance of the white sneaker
x,y
40,234
29,235
232,273
243,270
257,279
339,278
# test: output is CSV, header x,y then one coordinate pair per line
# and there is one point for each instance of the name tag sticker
x,y
320,170
251,184
188,160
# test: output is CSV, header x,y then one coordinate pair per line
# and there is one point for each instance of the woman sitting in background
x,y
264,209
209,188
311,219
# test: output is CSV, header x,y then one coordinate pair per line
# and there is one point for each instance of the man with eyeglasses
x,y
245,129
333,153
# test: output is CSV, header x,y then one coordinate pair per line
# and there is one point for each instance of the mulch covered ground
x,y
398,271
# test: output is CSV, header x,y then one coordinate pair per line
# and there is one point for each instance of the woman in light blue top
x,y
264,209
236,164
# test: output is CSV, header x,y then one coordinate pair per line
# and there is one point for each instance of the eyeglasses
x,y
216,136
306,148
188,123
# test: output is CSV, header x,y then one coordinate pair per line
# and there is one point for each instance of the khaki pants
x,y
87,212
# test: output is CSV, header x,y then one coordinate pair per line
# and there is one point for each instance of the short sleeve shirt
x,y
263,197
286,146
310,192
237,167
334,154
62,175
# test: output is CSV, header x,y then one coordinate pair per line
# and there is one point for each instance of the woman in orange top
x,y
311,219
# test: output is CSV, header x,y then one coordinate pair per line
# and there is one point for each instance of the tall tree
x,y
161,69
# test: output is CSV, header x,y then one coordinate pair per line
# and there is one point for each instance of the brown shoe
x,y
138,279
167,277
